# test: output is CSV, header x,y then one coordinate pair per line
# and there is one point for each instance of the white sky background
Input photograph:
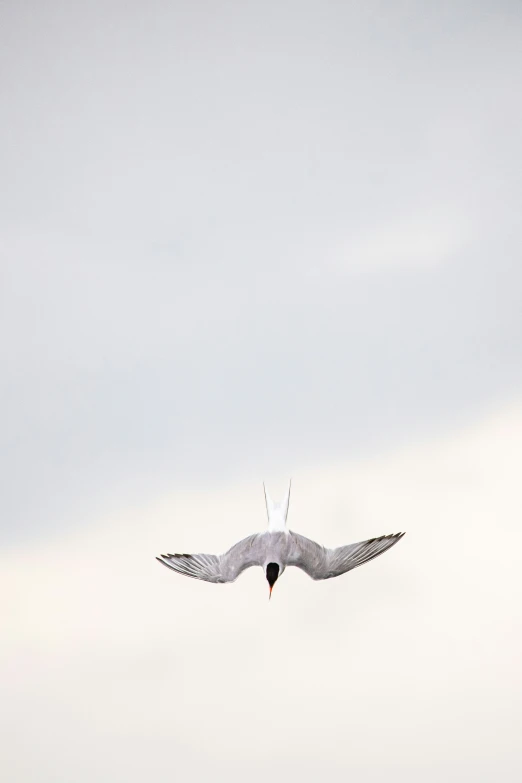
x,y
242,242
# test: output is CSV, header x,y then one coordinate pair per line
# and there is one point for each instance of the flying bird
x,y
277,548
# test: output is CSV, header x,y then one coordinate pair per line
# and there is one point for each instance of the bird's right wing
x,y
216,568
321,563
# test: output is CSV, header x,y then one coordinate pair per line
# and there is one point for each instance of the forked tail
x,y
277,512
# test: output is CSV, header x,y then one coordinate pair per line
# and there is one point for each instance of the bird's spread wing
x,y
217,568
321,563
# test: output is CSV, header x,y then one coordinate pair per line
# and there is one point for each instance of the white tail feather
x,y
277,512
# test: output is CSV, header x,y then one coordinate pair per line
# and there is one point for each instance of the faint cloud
x,y
418,242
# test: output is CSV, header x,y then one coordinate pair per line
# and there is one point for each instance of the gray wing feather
x,y
321,563
216,568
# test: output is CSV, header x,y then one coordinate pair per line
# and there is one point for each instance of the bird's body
x,y
277,548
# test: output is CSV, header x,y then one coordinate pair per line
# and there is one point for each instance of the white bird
x,y
277,548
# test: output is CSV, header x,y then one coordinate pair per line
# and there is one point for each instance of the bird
x,y
277,548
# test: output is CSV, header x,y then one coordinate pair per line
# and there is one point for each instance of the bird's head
x,y
272,573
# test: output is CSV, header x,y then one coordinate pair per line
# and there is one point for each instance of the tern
x,y
277,548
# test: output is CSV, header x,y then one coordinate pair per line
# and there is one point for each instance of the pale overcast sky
x,y
244,241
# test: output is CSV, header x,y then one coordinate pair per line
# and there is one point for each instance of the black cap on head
x,y
272,572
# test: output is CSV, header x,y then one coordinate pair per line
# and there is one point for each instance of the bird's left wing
x,y
217,568
321,563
